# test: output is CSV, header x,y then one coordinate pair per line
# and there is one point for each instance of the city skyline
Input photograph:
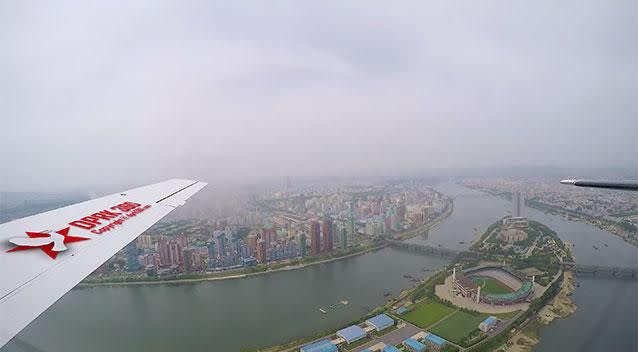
x,y
276,229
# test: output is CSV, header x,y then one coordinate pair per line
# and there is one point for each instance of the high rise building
x,y
235,246
132,263
261,251
162,248
211,254
315,241
302,244
518,202
150,259
175,252
268,234
351,226
395,223
425,214
327,235
183,240
252,243
343,239
187,255
221,244
401,210
144,242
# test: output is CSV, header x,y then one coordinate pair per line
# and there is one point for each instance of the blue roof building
x,y
490,320
380,322
351,333
488,323
324,345
437,341
414,345
390,348
401,310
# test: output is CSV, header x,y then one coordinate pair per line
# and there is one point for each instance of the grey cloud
x,y
119,92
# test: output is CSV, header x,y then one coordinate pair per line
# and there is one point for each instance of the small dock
x,y
332,307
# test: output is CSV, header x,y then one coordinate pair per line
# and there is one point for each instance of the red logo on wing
x,y
48,248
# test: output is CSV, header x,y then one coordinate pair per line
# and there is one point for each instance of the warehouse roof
x,y
380,321
401,310
390,348
324,345
351,333
437,340
414,345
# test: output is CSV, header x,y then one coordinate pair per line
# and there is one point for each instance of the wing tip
x,y
568,182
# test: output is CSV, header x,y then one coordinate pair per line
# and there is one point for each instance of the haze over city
x,y
327,176
121,93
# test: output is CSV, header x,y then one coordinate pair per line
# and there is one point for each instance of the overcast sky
x,y
125,92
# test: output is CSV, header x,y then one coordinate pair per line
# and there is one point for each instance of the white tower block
x,y
478,295
454,274
533,279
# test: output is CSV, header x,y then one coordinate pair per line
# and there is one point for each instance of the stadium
x,y
493,285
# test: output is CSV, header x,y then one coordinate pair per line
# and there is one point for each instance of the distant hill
x,y
16,205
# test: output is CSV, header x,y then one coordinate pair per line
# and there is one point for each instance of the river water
x,y
232,315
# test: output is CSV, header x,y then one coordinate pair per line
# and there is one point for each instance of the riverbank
x,y
562,306
614,228
406,294
606,225
559,308
549,302
427,227
232,276
243,273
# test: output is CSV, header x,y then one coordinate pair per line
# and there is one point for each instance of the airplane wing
x,y
34,275
623,185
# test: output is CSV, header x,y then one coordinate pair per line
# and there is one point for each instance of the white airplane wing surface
x,y
44,256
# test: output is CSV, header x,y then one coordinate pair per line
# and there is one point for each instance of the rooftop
x,y
414,344
435,339
320,346
489,320
390,348
380,321
352,333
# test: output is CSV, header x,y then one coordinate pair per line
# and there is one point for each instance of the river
x,y
231,315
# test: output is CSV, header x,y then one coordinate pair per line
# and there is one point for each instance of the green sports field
x,y
490,285
458,326
426,313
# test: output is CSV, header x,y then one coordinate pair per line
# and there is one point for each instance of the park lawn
x,y
426,313
489,285
458,326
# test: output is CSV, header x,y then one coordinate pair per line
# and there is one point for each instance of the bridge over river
x,y
613,271
425,249
618,272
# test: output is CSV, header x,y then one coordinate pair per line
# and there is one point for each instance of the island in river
x,y
449,304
